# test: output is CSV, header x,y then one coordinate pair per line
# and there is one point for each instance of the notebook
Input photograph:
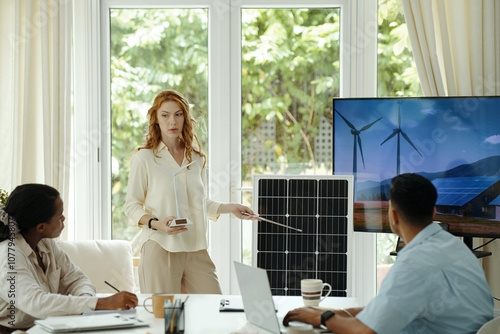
x,y
258,301
78,323
129,312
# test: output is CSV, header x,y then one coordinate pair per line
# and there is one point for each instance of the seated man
x,y
436,284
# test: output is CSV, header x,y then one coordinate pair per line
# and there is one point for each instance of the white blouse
x,y
28,293
151,191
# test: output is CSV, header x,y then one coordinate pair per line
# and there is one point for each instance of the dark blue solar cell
x,y
458,191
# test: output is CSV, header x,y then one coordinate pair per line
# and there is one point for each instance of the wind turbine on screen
x,y
356,133
399,132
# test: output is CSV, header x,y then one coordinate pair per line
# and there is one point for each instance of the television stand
x,y
478,254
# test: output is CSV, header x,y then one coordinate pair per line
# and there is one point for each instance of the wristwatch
x,y
325,316
149,223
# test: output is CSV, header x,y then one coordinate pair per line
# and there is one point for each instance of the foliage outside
x,y
152,50
290,73
397,77
397,73
3,197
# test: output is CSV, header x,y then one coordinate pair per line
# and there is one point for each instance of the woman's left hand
x,y
237,209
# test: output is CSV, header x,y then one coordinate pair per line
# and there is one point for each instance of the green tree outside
x,y
290,73
397,77
152,50
397,73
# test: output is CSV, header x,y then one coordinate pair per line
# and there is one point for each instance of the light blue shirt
x,y
436,285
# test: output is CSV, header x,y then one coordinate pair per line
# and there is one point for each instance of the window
x,y
290,73
397,73
397,76
230,60
152,50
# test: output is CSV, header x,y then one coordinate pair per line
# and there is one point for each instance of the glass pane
x,y
152,50
397,76
397,73
290,73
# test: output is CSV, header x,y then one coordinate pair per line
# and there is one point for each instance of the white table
x,y
203,316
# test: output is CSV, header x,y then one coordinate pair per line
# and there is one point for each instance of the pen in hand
x,y
111,286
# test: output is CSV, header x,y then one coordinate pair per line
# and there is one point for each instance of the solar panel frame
x,y
324,248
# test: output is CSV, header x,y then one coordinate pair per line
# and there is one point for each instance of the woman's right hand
x,y
164,225
122,300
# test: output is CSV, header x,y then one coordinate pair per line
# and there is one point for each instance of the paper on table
x,y
65,324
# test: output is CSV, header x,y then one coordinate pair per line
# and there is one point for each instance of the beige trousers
x,y
161,271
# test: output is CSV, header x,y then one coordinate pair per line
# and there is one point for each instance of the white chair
x,y
491,327
103,260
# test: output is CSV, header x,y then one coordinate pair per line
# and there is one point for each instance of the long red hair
x,y
153,136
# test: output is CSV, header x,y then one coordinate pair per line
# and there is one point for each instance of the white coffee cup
x,y
311,291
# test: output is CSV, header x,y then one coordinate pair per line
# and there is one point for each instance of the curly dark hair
x,y
29,205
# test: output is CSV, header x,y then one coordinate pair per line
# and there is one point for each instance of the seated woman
x,y
37,278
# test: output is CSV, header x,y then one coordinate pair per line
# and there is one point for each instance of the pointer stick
x,y
270,221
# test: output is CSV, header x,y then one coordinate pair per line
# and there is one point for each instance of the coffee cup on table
x,y
158,301
312,290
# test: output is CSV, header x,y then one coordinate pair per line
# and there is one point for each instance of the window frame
x,y
92,163
236,68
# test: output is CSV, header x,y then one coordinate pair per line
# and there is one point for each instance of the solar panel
x,y
458,191
322,207
496,201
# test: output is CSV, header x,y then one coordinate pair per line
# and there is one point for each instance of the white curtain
x,y
456,45
35,93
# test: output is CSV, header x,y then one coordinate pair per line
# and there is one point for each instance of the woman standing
x,y
37,278
167,181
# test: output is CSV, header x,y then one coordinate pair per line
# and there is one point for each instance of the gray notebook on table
x,y
78,323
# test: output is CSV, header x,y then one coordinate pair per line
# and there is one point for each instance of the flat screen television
x,y
452,141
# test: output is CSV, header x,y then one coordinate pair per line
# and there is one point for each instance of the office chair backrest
x,y
103,260
491,327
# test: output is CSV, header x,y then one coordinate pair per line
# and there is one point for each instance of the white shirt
x,y
34,293
151,191
436,285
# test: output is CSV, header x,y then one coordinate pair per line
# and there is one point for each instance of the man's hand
x,y
309,315
341,323
122,300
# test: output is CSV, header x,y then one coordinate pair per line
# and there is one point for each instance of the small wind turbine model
x,y
397,132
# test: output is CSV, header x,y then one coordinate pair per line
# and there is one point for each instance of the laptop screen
x,y
257,298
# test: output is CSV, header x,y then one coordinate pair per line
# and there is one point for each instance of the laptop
x,y
258,302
